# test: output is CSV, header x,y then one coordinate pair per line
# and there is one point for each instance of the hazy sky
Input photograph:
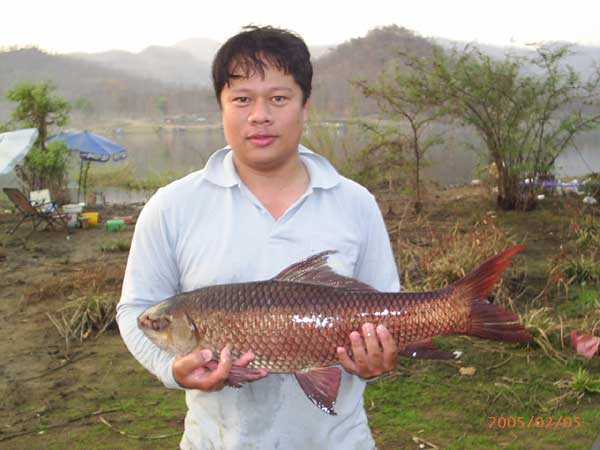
x,y
80,25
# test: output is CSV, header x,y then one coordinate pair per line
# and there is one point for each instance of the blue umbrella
x,y
91,147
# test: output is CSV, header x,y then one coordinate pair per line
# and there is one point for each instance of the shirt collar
x,y
220,169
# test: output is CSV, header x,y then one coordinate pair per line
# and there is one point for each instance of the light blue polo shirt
x,y
208,228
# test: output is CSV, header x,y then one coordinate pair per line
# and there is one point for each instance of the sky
x,y
65,26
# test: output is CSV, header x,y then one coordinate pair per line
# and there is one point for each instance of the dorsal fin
x,y
315,270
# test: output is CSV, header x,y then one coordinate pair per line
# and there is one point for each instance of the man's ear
x,y
306,108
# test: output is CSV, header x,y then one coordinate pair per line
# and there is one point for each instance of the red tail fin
x,y
487,320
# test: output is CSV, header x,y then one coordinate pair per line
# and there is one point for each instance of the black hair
x,y
253,48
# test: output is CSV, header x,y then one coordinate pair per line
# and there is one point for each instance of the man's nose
x,y
261,112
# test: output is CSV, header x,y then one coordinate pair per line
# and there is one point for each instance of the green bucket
x,y
115,225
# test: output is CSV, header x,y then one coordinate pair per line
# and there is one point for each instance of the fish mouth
x,y
147,322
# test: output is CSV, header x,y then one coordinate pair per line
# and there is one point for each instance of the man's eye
x,y
241,100
279,99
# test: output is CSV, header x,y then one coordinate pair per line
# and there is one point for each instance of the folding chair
x,y
42,198
38,213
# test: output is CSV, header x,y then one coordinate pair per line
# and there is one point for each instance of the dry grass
x,y
442,255
96,278
578,265
89,295
547,330
84,317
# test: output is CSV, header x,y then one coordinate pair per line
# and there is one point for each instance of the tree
x,y
383,158
526,110
45,166
345,146
162,104
402,98
38,108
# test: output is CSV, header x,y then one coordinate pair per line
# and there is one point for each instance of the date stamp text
x,y
528,422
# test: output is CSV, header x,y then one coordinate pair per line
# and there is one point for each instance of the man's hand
x,y
191,371
374,356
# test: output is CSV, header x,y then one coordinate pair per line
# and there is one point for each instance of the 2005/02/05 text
x,y
512,422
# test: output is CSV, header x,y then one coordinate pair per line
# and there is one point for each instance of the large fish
x,y
294,322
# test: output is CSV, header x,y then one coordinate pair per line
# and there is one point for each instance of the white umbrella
x,y
14,145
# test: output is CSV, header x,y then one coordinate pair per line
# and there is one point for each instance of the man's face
x,y
263,118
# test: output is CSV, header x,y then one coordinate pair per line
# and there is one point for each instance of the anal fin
x,y
321,386
425,349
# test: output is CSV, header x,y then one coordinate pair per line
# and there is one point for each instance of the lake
x,y
181,150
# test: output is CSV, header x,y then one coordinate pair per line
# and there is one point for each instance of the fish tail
x,y
485,319
491,321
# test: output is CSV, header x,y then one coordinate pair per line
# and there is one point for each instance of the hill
x,y
104,91
166,64
358,59
365,57
583,59
203,49
187,63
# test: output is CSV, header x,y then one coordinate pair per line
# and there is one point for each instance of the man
x,y
259,205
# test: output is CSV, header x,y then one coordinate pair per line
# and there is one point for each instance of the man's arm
x,y
374,351
152,275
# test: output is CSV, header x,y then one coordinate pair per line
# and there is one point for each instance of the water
x,y
582,158
175,150
456,161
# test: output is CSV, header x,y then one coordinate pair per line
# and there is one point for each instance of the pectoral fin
x,y
237,374
321,386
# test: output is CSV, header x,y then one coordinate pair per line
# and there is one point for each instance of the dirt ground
x,y
51,398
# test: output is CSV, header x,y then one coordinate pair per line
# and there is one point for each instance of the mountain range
x,y
121,83
187,63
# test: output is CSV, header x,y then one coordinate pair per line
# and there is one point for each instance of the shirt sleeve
x,y
376,264
151,276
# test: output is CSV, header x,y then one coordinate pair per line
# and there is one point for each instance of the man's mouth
x,y
261,140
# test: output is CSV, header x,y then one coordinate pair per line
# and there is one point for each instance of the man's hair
x,y
249,51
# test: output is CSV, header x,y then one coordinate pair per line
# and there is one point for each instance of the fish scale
x,y
295,322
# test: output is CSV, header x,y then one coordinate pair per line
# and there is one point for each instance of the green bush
x,y
583,269
50,163
592,185
46,168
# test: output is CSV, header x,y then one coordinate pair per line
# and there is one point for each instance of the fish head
x,y
170,329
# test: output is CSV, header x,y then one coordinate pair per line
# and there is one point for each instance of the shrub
x,y
46,168
592,185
